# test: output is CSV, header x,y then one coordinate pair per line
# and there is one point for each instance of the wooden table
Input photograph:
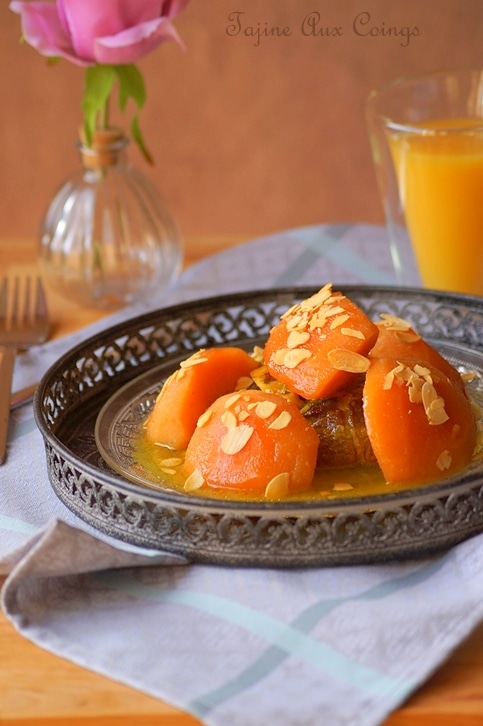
x,y
39,688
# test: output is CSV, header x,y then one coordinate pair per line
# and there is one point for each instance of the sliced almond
x,y
422,370
243,383
236,439
281,422
429,394
296,322
353,332
233,399
229,419
293,358
291,311
347,360
415,390
330,310
173,461
407,336
278,357
342,486
194,481
297,338
204,418
278,486
321,297
264,409
339,320
433,405
436,413
404,374
394,323
388,381
317,321
193,360
444,460
257,354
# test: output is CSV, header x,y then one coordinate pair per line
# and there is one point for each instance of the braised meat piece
x,y
340,426
338,421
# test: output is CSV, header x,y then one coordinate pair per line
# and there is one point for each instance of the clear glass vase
x,y
108,238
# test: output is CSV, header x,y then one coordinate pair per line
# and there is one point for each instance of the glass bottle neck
x,y
106,150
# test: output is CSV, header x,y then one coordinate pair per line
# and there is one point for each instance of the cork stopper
x,y
105,149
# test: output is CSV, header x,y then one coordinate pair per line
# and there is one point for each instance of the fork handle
x,y
7,360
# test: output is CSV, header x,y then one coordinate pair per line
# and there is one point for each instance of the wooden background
x,y
250,135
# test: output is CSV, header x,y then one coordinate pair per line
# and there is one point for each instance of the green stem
x,y
103,115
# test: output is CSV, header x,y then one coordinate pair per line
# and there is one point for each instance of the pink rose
x,y
86,32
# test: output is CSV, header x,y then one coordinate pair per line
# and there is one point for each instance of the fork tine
x,y
3,298
15,310
26,310
22,324
23,304
40,309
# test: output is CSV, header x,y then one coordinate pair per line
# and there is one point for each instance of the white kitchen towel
x,y
249,647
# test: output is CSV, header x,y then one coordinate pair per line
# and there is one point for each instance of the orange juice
x,y
440,178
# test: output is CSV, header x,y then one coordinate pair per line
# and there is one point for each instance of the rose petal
x,y
42,29
134,43
89,31
87,20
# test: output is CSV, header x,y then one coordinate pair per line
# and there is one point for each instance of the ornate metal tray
x,y
411,523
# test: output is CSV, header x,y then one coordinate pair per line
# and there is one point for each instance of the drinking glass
x,y
426,136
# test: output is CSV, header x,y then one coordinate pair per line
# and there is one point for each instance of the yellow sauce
x,y
328,484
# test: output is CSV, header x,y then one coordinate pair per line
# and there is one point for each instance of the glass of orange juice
x,y
426,136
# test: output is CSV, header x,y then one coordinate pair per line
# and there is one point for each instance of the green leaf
x,y
99,80
131,85
139,140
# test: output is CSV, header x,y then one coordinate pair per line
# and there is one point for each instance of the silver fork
x,y
24,321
